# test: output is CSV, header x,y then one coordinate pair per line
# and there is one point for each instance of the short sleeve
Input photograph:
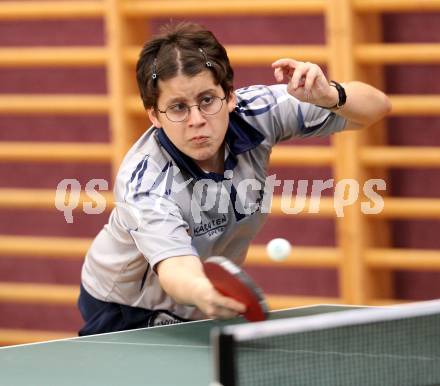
x,y
162,232
151,217
280,116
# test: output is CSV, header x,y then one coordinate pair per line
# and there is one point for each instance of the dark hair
x,y
184,48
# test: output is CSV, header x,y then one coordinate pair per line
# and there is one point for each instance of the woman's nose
x,y
195,116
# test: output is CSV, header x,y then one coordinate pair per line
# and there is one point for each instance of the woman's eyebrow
x,y
184,99
176,100
211,90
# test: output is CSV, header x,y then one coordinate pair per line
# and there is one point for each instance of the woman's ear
x,y
232,101
152,114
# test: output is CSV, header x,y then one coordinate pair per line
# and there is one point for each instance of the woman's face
x,y
200,136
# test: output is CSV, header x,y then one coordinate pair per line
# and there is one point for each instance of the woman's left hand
x,y
306,82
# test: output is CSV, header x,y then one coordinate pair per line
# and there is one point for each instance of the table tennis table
x,y
171,355
161,356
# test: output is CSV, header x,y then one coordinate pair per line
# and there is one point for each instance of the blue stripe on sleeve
x,y
157,182
245,102
307,130
141,173
255,112
142,164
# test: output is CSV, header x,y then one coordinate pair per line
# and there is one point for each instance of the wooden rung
x,y
57,104
47,247
397,53
394,207
47,56
400,156
300,256
402,105
415,105
264,55
41,199
14,336
54,294
326,207
410,208
170,8
413,259
55,152
13,10
278,302
70,247
254,55
396,5
285,155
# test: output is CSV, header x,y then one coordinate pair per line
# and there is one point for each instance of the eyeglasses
x,y
179,112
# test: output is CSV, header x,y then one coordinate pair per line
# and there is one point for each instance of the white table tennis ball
x,y
278,249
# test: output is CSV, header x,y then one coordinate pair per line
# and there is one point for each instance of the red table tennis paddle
x,y
230,280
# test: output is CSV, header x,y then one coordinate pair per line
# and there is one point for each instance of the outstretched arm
x,y
307,82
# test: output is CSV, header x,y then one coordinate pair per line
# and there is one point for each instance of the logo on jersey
x,y
211,227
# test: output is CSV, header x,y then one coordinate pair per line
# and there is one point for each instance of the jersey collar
x,y
240,137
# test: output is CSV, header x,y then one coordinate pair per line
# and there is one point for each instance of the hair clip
x,y
207,62
154,76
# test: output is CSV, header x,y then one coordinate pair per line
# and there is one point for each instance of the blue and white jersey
x,y
166,206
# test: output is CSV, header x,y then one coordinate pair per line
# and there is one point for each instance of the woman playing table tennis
x,y
193,185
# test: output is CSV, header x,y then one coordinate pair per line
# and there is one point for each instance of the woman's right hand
x,y
212,303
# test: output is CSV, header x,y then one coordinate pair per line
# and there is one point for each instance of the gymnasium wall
x,y
413,131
